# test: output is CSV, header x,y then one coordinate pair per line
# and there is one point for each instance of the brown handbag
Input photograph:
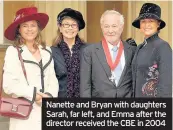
x,y
19,108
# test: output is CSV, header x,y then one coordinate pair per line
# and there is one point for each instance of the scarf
x,y
73,67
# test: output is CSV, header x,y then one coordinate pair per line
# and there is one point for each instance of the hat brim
x,y
136,22
76,15
80,22
11,30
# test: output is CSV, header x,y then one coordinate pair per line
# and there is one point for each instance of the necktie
x,y
115,52
118,70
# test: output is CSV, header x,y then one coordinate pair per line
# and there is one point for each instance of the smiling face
x,y
69,28
29,30
112,28
149,26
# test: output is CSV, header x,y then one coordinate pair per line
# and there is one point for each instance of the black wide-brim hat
x,y
150,11
76,15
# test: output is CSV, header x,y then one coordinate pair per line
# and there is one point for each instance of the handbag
x,y
19,108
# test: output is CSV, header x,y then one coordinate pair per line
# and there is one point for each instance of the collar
x,y
151,38
23,46
111,46
46,55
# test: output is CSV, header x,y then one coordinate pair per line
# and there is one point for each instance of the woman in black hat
x,y
67,50
152,63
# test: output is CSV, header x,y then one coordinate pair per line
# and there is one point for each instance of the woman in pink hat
x,y
37,58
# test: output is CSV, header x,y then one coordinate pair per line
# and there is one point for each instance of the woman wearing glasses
x,y
66,52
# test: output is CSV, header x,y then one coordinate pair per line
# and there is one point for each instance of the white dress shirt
x,y
122,59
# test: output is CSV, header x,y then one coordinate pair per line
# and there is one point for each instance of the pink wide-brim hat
x,y
24,15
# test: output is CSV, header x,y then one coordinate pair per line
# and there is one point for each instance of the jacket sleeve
x,y
14,81
85,73
165,71
53,85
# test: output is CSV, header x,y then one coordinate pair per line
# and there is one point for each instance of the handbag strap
x,y
23,69
22,64
1,82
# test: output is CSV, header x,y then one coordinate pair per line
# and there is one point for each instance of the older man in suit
x,y
106,66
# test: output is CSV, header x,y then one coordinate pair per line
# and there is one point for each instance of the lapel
x,y
46,56
102,58
26,55
60,58
134,67
127,56
134,59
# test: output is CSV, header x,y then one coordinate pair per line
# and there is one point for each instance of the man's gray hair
x,y
112,12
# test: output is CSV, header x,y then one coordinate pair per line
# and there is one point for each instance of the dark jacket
x,y
95,73
152,68
61,69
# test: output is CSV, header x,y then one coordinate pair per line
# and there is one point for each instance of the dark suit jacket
x,y
61,69
95,73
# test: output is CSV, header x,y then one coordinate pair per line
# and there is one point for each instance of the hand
x,y
43,95
38,97
39,102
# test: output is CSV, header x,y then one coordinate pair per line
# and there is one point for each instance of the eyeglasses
x,y
66,25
